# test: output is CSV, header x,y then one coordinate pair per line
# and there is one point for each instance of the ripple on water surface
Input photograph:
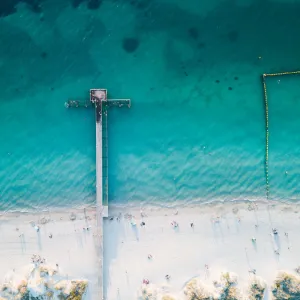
x,y
196,129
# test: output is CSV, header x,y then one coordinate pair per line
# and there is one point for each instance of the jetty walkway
x,y
98,100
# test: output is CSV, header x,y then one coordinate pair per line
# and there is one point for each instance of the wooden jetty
x,y
99,100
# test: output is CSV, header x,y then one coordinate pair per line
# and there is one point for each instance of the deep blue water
x,y
196,128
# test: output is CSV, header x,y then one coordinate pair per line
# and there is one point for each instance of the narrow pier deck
x,y
76,103
98,99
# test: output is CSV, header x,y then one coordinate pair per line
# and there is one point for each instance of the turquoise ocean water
x,y
196,128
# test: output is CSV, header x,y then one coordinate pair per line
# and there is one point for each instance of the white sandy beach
x,y
219,241
69,250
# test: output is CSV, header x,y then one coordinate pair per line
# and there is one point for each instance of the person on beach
x,y
174,224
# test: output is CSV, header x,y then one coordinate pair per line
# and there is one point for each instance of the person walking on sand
x,y
174,224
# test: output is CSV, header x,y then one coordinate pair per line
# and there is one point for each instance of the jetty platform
x,y
98,100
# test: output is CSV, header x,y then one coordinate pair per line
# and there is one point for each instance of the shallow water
x,y
196,128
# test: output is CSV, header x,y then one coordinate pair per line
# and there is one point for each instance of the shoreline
x,y
148,205
202,208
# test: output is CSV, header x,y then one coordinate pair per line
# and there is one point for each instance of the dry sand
x,y
219,241
74,249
